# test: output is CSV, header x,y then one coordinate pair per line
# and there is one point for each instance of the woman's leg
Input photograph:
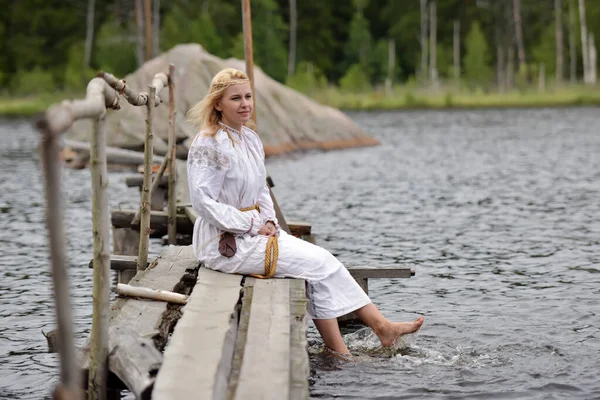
x,y
386,330
330,332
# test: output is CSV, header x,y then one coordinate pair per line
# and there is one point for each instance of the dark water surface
x,y
499,211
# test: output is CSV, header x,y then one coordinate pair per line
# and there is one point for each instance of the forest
x,y
358,46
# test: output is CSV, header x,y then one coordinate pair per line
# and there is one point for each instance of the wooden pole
x,y
145,203
153,294
98,374
56,120
248,54
172,205
69,371
247,26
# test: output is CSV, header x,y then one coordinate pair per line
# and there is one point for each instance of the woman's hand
x,y
268,229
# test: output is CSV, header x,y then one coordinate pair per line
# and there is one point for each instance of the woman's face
x,y
236,105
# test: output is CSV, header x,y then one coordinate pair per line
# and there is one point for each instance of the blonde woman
x,y
236,224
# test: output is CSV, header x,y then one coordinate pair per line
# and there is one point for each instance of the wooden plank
x,y
198,359
267,350
158,221
120,262
137,181
299,229
140,328
299,363
364,271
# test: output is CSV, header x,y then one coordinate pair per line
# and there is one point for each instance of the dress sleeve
x,y
207,166
267,211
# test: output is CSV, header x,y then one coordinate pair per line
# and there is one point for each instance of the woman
x,y
228,190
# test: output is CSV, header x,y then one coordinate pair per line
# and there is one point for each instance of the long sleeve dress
x,y
226,173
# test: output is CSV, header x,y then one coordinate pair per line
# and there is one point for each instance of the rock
x,y
287,120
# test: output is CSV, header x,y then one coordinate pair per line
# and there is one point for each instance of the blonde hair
x,y
205,115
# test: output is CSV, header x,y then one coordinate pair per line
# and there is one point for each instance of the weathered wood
x,y
114,155
145,208
135,360
171,202
364,271
158,221
137,181
267,350
198,359
159,82
125,242
120,262
98,375
154,320
299,229
151,294
299,363
241,337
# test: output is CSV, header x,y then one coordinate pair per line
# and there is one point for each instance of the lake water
x,y
498,210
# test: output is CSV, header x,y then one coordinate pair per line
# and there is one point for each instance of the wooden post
x,y
56,120
456,50
69,371
145,203
172,205
101,286
247,26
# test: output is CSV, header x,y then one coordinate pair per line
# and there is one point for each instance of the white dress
x,y
224,178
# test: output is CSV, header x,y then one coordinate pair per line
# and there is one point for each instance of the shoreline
x,y
401,99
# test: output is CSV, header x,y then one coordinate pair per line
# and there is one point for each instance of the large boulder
x,y
286,119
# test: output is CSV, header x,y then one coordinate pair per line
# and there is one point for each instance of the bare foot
x,y
393,330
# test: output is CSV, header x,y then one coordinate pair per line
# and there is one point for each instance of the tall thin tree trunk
x,y
510,46
423,71
139,21
89,38
148,27
155,28
560,48
389,81
572,43
500,44
292,48
456,50
592,50
542,78
519,36
584,45
510,66
433,73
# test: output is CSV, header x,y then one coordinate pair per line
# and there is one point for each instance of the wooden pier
x,y
237,337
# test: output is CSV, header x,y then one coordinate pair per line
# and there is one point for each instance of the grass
x,y
401,97
413,98
28,106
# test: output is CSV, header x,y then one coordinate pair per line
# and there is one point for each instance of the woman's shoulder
x,y
205,138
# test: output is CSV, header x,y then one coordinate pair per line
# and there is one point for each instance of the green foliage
x,y
307,78
75,77
355,79
360,43
268,32
114,53
477,69
34,81
197,30
545,51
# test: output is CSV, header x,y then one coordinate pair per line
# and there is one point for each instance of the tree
x,y
477,70
559,40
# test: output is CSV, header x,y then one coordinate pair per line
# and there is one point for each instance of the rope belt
x,y
271,254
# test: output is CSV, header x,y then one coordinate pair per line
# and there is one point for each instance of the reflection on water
x,y
497,210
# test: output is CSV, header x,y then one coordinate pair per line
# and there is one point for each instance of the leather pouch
x,y
227,245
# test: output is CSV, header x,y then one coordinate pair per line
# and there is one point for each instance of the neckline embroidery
x,y
235,134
